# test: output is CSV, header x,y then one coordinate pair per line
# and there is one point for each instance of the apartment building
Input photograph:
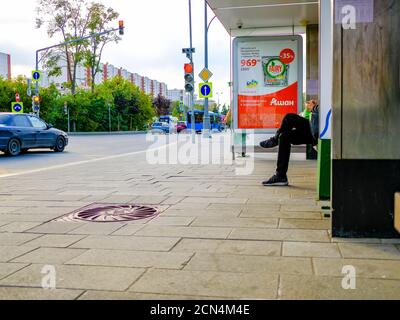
x,y
107,71
5,66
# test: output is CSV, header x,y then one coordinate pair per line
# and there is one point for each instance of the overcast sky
x,y
155,33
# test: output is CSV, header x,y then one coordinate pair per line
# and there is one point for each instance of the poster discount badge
x,y
287,56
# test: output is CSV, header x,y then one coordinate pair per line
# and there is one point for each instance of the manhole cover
x,y
98,212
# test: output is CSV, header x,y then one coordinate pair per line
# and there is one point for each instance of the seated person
x,y
295,130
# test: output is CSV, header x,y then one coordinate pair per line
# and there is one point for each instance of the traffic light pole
x,y
206,123
191,61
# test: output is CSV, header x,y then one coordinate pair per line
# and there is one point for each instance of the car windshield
x,y
157,124
5,120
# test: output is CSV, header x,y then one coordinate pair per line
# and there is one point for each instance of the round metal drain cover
x,y
111,213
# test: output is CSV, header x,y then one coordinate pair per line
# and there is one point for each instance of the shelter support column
x,y
325,99
366,118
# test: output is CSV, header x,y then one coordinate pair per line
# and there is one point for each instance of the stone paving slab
x,y
137,259
262,248
55,241
132,243
7,253
56,227
50,255
216,221
107,295
97,228
308,249
305,224
330,288
369,251
280,235
7,269
185,232
16,239
77,277
371,269
19,293
217,284
18,227
249,264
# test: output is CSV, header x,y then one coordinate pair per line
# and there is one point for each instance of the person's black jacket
x,y
315,122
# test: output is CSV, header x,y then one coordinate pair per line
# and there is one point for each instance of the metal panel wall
x,y
367,87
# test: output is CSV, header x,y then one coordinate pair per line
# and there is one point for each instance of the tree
x,y
100,20
162,105
225,110
69,19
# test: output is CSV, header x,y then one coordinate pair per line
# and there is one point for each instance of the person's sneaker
x,y
270,143
276,181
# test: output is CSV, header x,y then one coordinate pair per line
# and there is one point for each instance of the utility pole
x,y
109,116
191,61
206,123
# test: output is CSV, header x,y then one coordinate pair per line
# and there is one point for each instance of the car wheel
x,y
60,145
13,148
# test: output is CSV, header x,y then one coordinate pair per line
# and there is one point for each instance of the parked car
x,y
21,132
181,126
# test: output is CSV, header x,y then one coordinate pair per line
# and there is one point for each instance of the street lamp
x,y
218,94
207,124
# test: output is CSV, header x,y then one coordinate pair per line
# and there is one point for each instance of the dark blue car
x,y
21,132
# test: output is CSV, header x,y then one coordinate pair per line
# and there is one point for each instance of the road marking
x,y
72,164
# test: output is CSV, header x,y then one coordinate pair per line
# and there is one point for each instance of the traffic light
x,y
189,77
36,103
121,28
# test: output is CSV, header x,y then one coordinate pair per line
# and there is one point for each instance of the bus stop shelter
x,y
352,68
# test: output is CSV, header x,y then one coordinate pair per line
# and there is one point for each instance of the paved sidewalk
x,y
219,236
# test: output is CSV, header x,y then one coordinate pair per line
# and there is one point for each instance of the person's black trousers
x,y
295,130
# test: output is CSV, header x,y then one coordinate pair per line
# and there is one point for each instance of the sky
x,y
155,33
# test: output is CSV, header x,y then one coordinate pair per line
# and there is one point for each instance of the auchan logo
x,y
280,103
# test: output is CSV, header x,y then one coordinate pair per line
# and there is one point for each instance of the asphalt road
x,y
80,148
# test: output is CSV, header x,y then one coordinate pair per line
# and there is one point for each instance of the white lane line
x,y
72,164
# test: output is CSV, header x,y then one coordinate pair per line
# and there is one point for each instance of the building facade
x,y
5,66
83,77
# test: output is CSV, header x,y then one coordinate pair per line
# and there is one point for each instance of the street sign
x,y
36,75
17,98
17,107
188,50
205,75
205,90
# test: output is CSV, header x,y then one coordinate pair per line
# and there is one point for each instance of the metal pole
x,y
191,61
206,123
109,117
37,68
69,122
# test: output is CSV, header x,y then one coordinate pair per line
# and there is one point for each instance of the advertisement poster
x,y
268,80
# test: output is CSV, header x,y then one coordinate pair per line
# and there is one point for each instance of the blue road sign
x,y
206,90
36,75
17,107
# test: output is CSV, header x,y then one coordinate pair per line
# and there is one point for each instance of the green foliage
x,y
130,108
225,110
162,105
179,110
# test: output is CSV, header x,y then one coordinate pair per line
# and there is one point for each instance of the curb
x,y
106,133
